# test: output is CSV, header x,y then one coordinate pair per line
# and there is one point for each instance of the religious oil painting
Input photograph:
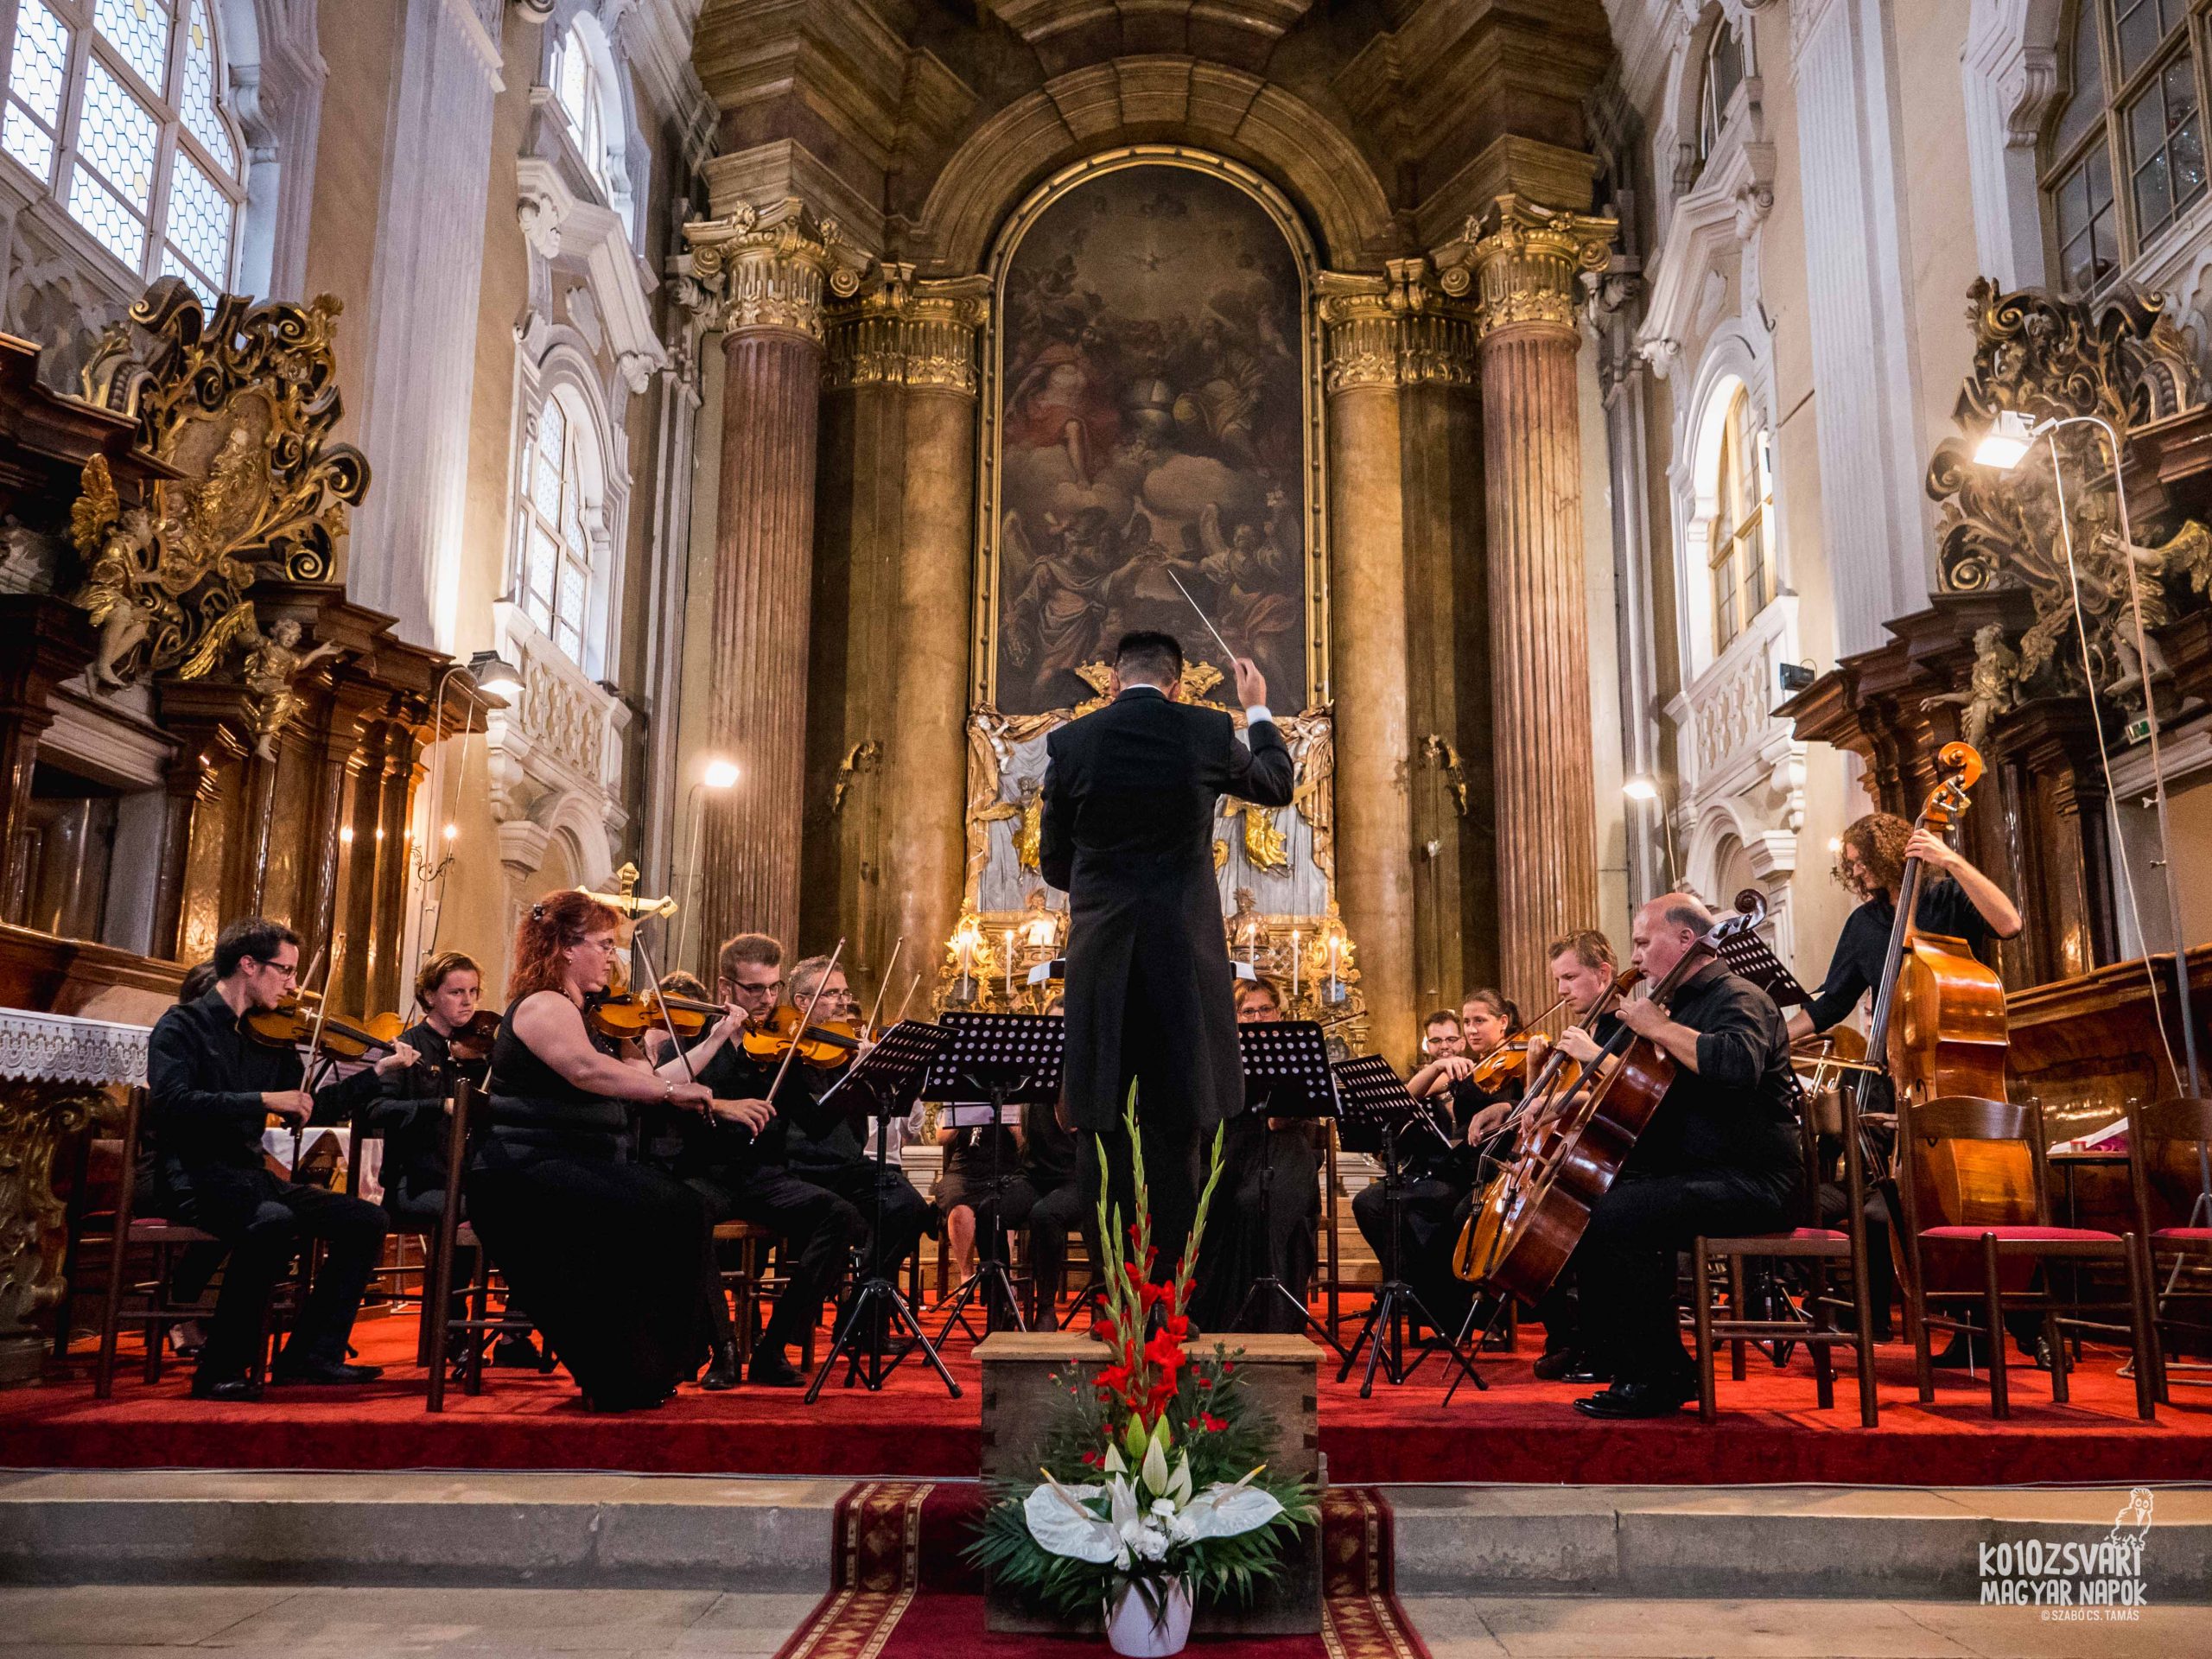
x,y
1153,430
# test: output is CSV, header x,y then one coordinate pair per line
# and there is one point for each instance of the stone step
x,y
766,1535
1774,1540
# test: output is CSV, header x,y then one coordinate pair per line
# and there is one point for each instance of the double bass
x,y
1939,1029
1537,1212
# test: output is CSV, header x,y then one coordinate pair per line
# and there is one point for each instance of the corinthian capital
x,y
901,332
772,269
1398,329
1522,261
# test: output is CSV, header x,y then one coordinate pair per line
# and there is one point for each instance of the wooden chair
x,y
471,1112
155,1315
1820,1246
2157,1131
746,1282
1962,1117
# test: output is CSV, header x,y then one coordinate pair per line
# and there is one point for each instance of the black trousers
x,y
1624,1265
1264,1214
819,1230
610,1260
906,1211
1433,1208
1048,1216
1171,1179
264,1222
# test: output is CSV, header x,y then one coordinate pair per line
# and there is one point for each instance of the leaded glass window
x,y
584,95
116,107
2124,156
1742,564
1724,74
554,581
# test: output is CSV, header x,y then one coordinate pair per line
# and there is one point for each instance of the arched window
x,y
2130,114
1742,561
1724,74
554,584
587,101
115,106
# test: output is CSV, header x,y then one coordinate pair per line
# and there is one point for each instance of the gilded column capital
x,y
772,269
897,332
1522,262
1399,329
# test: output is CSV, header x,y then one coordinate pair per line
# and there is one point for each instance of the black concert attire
x,y
1440,1186
828,1144
1045,1197
1559,1309
739,1177
1236,1252
1129,802
205,1115
606,1254
413,1121
1720,1157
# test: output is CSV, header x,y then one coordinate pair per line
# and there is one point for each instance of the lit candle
x,y
1293,966
967,939
1335,944
1010,966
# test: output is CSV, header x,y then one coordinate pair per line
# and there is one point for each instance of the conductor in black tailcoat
x,y
1130,796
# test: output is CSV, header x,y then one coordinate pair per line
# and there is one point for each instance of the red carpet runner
x,y
904,1591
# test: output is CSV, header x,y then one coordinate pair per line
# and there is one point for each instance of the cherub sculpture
x,y
273,664
1993,689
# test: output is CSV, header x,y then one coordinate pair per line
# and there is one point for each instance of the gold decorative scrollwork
x,y
35,1119
241,405
2050,357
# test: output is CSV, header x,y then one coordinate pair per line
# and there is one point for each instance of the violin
x,y
292,1022
473,1040
1506,1063
822,1045
628,1015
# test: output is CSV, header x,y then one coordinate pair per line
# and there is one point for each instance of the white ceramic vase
x,y
1132,1630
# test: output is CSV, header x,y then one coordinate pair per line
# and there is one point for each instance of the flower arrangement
x,y
1153,1489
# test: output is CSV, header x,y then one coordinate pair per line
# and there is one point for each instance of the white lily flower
x,y
1155,1465
1179,1487
1115,1465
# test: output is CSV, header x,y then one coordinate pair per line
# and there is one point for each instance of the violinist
x,y
1719,1156
741,1174
1957,901
211,1087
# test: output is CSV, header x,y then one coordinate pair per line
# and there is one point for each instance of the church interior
x,y
1708,499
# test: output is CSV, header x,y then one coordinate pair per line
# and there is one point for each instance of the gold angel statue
x,y
138,566
273,663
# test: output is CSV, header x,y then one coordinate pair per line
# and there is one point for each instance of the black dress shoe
x,y
323,1372
517,1353
725,1372
1628,1400
1960,1355
774,1370
1565,1365
238,1389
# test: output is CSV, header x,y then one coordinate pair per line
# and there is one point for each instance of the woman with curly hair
x,y
609,1256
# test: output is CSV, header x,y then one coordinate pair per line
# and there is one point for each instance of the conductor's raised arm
x,y
1264,772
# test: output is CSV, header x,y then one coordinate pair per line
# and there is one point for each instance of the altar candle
x,y
1293,966
1009,965
1335,943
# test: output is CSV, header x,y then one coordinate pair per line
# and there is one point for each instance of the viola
x,y
825,1043
292,1023
628,1015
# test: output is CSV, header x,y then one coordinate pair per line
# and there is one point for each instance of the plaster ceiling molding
x,y
559,224
1065,32
2010,69
1716,221
1277,134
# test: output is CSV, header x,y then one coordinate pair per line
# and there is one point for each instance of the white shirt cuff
x,y
1254,713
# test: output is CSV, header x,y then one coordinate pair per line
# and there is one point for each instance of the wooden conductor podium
x,y
1282,1379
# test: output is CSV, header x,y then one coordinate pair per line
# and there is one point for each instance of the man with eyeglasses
x,y
745,1177
212,1090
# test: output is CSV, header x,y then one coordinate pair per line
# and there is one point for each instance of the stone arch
x,y
1155,100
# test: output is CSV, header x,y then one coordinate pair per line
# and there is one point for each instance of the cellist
x,y
1959,903
1719,1156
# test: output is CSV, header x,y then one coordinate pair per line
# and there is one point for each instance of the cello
x,y
1939,1029
1537,1211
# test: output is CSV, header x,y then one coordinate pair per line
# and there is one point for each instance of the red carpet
x,y
1520,1431
901,1589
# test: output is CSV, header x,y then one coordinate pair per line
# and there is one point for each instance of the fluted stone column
x,y
1523,261
772,269
916,343
1384,333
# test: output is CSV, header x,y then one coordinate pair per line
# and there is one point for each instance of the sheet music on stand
x,y
889,1075
1371,1099
981,1050
1747,956
1287,1068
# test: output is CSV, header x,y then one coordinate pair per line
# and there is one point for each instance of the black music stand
x,y
887,1078
1286,1074
1375,1112
1009,1059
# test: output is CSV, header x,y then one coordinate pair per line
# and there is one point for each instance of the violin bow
x,y
646,961
315,1057
806,1018
907,1001
884,984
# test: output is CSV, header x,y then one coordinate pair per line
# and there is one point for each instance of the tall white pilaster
x,y
404,557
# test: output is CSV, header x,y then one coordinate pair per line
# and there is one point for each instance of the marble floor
x,y
113,1621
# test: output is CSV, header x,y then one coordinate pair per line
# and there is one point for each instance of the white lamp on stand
x,y
719,776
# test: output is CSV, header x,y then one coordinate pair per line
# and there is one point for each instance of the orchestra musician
x,y
1719,1156
1281,1155
1046,1198
740,1175
1583,968
1441,1180
211,1088
1130,796
609,1256
1956,900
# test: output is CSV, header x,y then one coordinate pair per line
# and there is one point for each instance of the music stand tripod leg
x,y
1269,1285
991,1272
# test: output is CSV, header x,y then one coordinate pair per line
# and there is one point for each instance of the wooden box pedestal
x,y
1282,1379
